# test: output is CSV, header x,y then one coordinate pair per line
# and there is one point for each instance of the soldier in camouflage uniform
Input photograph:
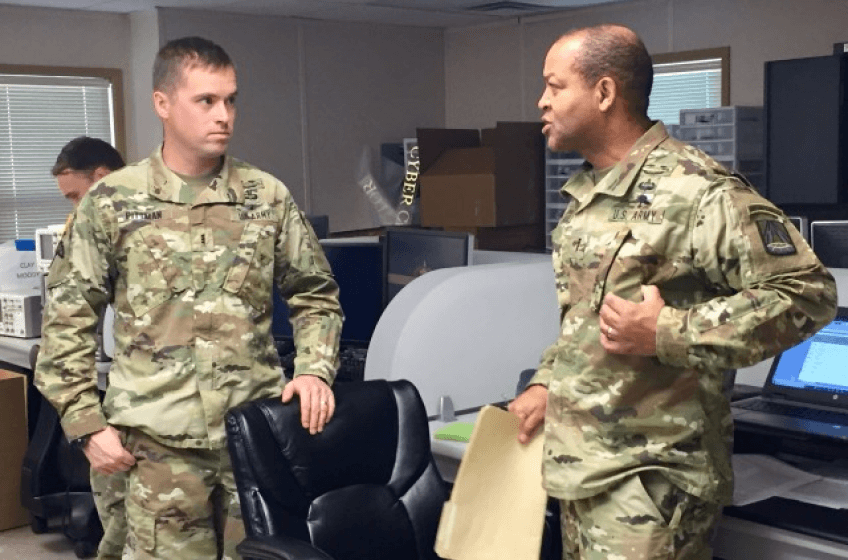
x,y
186,245
670,271
82,162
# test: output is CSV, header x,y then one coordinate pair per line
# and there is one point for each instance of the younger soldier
x,y
186,245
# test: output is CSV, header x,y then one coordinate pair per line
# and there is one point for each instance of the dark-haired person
x,y
186,245
82,162
670,272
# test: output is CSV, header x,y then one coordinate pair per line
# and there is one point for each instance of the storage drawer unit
x,y
733,136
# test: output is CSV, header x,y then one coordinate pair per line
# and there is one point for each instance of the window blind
x,y
694,84
39,115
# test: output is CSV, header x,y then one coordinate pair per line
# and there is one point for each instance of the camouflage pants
x,y
644,517
109,492
181,504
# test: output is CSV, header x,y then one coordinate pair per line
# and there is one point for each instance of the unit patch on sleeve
x,y
776,239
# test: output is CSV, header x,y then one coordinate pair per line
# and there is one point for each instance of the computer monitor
x,y
801,224
829,240
410,252
358,269
806,130
320,224
46,240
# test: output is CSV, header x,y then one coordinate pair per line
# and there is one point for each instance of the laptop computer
x,y
806,392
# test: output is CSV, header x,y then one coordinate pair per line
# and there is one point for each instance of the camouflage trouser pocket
x,y
669,501
142,524
643,517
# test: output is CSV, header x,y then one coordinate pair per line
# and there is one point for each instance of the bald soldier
x,y
670,271
186,245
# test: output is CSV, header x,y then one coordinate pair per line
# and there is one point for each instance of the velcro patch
x,y
637,213
776,239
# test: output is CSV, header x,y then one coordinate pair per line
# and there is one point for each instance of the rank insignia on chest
x,y
637,213
775,237
251,192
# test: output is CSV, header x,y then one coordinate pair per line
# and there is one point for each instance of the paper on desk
x,y
827,492
759,477
497,505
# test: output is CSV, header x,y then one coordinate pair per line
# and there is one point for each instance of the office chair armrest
x,y
279,547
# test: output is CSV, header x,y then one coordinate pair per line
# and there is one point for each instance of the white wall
x,y
500,67
314,94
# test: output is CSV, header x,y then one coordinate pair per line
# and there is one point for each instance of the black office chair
x,y
55,485
366,488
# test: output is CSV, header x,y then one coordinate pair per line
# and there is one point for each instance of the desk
x,y
16,350
740,539
448,453
746,534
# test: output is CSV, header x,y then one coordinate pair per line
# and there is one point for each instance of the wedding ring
x,y
609,331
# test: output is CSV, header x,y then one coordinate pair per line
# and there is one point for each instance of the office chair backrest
x,y
366,487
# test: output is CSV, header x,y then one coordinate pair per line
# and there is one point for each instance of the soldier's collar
x,y
617,182
166,185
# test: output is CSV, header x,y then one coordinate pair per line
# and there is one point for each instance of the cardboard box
x,y
13,446
469,180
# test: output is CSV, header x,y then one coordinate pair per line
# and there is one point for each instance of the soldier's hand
x,y
317,402
631,328
530,407
105,452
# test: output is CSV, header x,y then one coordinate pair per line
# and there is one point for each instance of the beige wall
x,y
145,132
364,85
313,95
482,70
42,36
51,37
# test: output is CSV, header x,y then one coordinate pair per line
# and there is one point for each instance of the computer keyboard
x,y
351,364
759,405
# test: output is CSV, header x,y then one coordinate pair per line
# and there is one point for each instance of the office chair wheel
x,y
85,549
37,524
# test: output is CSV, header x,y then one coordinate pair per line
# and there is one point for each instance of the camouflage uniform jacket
x,y
739,285
190,277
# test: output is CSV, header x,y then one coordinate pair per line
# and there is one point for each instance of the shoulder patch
x,y
776,240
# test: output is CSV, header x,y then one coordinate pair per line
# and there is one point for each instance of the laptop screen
x,y
818,363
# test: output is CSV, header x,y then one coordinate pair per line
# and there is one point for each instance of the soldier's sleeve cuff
x,y
672,347
542,377
81,423
328,375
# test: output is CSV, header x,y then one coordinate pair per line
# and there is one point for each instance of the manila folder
x,y
497,505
